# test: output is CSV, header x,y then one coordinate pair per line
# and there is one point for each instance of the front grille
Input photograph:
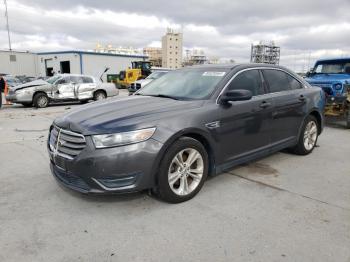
x,y
322,84
66,143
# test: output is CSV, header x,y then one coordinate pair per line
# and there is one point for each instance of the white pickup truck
x,y
62,87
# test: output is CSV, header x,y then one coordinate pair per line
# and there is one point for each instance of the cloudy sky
x,y
305,30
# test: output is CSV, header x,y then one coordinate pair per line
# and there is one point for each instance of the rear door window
x,y
277,80
87,80
293,83
248,80
76,79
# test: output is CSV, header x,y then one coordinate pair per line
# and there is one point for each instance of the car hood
x,y
144,81
327,78
120,115
38,82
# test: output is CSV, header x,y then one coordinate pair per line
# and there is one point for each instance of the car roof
x,y
235,65
71,75
333,59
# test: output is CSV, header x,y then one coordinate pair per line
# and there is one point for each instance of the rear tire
x,y
308,137
99,95
40,100
182,171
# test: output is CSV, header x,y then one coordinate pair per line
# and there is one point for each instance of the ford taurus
x,y
184,126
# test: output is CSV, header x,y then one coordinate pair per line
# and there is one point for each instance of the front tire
x,y
308,136
40,100
183,171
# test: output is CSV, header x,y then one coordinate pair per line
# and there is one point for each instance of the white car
x,y
142,82
59,88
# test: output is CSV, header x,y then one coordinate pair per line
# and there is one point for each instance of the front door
x,y
245,125
65,88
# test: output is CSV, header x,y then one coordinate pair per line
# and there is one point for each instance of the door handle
x,y
302,98
265,104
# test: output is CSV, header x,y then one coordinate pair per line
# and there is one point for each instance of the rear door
x,y
86,87
245,125
289,102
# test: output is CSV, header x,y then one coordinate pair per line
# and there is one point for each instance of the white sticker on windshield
x,y
214,73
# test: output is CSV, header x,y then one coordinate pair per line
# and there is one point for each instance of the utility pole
x,y
7,24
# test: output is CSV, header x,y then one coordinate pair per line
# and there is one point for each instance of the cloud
x,y
305,30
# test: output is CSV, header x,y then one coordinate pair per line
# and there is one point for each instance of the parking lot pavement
x,y
280,208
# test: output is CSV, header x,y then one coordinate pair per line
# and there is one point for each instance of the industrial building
x,y
267,53
154,54
74,62
195,57
172,49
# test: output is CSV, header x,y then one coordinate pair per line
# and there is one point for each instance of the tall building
x,y
267,53
172,49
154,54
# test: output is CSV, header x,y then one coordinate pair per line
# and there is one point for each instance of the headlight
x,y
125,138
338,86
21,92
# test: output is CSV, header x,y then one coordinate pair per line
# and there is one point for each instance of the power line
x,y
7,25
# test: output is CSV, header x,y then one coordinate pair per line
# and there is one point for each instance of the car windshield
x,y
156,75
52,79
187,84
332,67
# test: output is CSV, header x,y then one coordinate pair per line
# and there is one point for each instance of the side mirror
x,y
236,95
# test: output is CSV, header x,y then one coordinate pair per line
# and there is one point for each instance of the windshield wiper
x,y
165,96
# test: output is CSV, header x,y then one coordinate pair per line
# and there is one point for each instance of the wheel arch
x,y
315,113
193,133
39,92
100,90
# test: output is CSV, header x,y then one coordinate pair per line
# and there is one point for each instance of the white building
x,y
83,62
18,63
74,62
172,50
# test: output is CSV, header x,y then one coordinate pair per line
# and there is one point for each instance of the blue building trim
x,y
81,64
80,53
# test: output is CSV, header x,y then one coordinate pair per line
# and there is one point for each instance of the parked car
x,y
142,82
25,79
333,76
188,124
11,81
63,87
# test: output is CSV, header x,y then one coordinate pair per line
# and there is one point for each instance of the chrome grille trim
x,y
65,143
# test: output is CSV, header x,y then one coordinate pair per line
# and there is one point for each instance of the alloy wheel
x,y
185,171
42,101
310,135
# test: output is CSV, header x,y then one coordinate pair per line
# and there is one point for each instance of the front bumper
x,y
123,169
18,98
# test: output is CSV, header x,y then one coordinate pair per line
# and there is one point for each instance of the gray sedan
x,y
59,88
184,126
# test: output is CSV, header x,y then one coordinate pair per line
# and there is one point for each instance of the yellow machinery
x,y
138,70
